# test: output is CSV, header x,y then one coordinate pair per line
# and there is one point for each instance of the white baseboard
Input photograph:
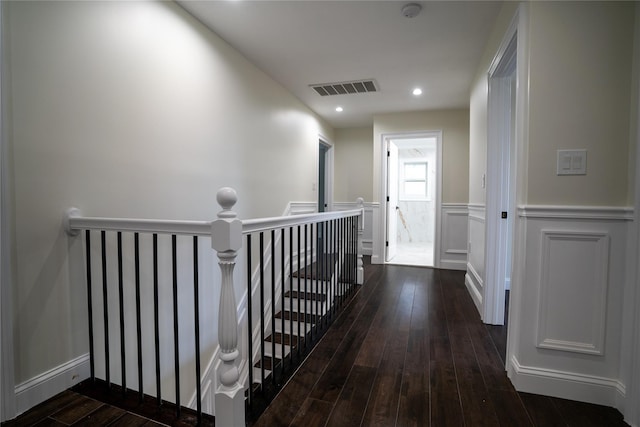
x,y
473,282
453,264
208,385
566,385
49,383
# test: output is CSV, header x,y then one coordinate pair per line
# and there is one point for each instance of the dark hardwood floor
x,y
410,350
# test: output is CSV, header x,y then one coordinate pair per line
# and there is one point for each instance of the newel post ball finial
x,y
226,198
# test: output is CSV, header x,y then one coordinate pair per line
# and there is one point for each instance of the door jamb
x,y
328,171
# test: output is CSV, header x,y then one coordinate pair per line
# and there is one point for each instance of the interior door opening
x,y
412,171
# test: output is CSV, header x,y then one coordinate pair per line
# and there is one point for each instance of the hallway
x,y
411,350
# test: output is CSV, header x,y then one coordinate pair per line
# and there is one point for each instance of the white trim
x,y
566,385
473,282
382,226
49,383
604,213
501,173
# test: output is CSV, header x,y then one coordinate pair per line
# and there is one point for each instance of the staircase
x,y
317,294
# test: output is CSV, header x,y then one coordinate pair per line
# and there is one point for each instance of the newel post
x,y
360,264
226,239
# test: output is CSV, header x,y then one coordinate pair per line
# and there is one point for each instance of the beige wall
x,y
131,109
455,146
353,164
579,97
478,107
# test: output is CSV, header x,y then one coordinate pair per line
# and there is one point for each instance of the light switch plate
x,y
572,162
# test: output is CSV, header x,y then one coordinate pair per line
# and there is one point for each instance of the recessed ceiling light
x,y
417,91
339,109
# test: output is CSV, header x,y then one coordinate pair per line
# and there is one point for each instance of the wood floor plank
x,y
509,408
413,407
314,413
542,411
43,410
77,410
101,416
352,402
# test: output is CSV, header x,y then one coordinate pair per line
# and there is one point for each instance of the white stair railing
x,y
226,234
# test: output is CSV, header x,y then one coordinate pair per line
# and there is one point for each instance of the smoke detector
x,y
411,10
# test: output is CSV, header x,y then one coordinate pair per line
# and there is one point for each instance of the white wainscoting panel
x,y
474,279
567,300
575,266
453,243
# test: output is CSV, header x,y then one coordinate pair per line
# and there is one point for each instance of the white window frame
x,y
401,180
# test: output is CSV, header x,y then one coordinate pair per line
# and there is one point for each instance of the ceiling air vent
x,y
345,88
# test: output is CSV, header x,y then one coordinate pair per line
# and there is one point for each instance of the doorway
x,y
413,171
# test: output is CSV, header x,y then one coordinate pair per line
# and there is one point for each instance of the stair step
x,y
306,295
278,347
266,362
289,315
311,287
304,328
257,379
310,307
289,340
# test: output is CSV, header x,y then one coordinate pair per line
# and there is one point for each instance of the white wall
x,y
130,109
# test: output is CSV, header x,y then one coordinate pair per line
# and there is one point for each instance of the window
x,y
413,180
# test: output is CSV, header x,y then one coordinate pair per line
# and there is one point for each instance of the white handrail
x,y
74,222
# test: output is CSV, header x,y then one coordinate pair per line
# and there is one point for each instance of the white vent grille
x,y
345,88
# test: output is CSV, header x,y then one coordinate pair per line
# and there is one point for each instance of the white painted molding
x,y
555,280
565,385
473,283
208,384
49,383
609,213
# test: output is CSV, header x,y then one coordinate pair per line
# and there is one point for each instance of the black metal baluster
x,y
136,250
123,357
336,267
196,323
298,293
105,307
90,305
309,313
156,322
327,273
176,340
290,293
306,285
282,285
249,320
273,310
262,361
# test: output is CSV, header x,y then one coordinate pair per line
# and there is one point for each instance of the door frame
x,y
501,175
328,172
382,224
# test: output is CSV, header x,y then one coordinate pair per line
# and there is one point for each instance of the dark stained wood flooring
x,y
410,350
73,409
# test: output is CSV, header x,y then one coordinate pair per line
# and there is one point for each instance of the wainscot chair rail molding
x,y
314,262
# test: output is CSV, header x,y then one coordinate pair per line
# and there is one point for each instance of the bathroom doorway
x,y
412,200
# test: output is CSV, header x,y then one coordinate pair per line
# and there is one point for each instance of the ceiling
x,y
305,42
